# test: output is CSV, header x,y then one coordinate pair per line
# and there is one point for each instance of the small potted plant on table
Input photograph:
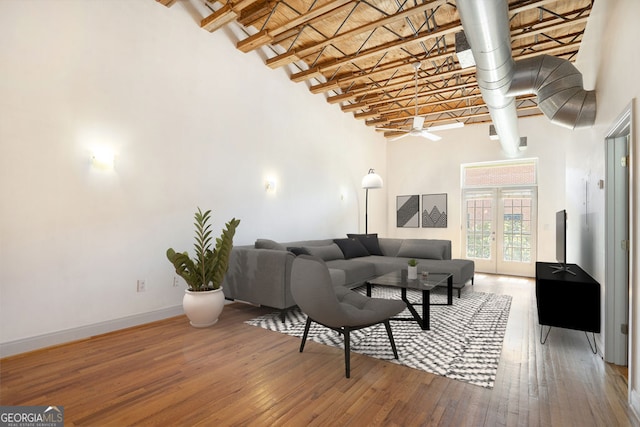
x,y
412,272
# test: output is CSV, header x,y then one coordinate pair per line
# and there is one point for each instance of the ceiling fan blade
x,y
453,125
399,137
394,129
418,122
430,136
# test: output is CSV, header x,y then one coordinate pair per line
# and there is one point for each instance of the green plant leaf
x,y
208,267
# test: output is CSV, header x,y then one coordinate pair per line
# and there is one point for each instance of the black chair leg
x,y
347,351
393,343
306,332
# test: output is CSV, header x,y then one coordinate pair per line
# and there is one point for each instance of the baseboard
x,y
55,338
634,402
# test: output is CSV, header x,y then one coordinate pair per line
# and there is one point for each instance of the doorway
x,y
618,244
500,230
500,208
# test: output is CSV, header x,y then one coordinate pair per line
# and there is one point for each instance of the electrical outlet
x,y
176,283
142,285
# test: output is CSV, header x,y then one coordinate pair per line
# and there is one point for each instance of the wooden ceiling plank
x,y
524,8
380,50
287,58
546,26
254,12
350,95
411,107
346,80
381,102
331,7
379,112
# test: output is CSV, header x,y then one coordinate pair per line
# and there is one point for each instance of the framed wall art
x,y
408,211
434,210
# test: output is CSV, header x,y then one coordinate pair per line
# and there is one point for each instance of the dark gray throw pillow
x,y
369,241
351,248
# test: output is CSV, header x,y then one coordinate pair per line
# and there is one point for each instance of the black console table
x,y
567,300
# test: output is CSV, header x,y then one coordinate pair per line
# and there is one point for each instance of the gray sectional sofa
x,y
260,273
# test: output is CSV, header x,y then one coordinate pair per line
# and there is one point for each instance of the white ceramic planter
x,y
412,272
203,308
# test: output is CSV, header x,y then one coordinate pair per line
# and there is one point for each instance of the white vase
x,y
203,308
412,273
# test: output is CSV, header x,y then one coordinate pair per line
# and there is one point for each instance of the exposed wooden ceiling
x,y
360,54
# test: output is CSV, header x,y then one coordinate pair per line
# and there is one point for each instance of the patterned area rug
x,y
464,343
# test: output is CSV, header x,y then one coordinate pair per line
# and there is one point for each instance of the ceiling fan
x,y
418,121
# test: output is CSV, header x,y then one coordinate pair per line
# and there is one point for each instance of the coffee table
x,y
398,279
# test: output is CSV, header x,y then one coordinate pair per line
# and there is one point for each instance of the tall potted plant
x,y
203,300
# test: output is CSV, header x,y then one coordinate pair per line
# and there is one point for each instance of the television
x,y
561,243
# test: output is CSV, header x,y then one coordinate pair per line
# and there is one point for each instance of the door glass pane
x,y
516,232
479,228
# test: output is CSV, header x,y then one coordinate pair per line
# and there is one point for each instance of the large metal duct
x,y
558,86
556,82
486,26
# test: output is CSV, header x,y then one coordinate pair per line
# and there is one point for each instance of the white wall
x,y
610,62
193,122
420,166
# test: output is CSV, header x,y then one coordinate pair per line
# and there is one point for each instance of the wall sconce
x,y
270,185
103,159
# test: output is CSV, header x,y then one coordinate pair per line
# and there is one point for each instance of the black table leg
x,y
426,310
450,290
368,289
423,321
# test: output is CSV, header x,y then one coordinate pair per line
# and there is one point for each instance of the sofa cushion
x,y
355,271
298,250
269,244
389,246
351,248
416,249
327,253
369,241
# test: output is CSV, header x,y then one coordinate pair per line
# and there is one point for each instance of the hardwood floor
x,y
168,373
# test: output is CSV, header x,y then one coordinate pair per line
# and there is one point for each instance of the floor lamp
x,y
370,180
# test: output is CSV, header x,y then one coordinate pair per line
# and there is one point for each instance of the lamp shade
x,y
372,180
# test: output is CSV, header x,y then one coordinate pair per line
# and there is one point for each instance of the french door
x,y
500,230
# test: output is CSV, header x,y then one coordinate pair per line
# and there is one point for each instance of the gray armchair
x,y
340,309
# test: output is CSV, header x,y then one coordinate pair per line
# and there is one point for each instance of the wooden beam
x,y
227,13
255,41
296,54
167,3
219,18
305,18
